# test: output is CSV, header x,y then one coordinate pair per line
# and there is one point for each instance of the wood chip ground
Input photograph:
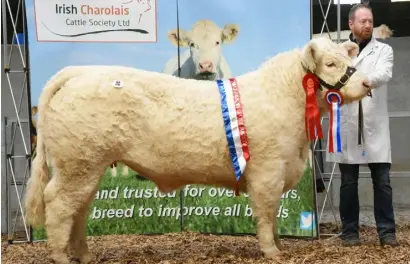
x,y
196,248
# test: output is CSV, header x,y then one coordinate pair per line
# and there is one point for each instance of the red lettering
x,y
83,9
89,10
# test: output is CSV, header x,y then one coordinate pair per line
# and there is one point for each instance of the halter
x,y
342,81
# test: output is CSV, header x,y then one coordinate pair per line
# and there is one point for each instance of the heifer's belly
x,y
178,177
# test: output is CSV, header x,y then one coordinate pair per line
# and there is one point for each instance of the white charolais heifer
x,y
204,59
171,130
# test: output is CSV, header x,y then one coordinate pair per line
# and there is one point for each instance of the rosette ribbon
x,y
335,100
312,115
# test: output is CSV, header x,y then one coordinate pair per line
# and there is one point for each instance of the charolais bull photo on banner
x,y
217,40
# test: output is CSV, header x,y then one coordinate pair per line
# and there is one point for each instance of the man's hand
x,y
368,84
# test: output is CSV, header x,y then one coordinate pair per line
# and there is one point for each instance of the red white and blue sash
x,y
234,125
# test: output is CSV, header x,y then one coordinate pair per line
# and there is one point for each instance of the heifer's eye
x,y
331,64
192,44
217,43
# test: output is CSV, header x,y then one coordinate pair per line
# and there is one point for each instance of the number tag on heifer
x,y
117,83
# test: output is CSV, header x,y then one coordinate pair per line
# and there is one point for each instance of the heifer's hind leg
x,y
265,189
65,196
58,222
77,243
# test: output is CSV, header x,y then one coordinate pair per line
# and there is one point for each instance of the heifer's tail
x,y
34,201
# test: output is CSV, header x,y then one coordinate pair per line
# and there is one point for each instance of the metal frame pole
x,y
316,141
14,179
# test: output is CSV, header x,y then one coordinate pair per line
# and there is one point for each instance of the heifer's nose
x,y
205,66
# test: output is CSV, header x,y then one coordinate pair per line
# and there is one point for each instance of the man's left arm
x,y
384,68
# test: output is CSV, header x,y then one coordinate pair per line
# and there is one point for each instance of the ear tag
x,y
118,84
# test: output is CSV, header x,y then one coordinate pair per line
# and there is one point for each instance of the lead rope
x,y
360,128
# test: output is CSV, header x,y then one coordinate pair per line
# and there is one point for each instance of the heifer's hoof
x,y
80,253
86,258
272,253
279,245
60,258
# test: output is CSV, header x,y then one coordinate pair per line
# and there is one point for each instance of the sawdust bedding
x,y
198,248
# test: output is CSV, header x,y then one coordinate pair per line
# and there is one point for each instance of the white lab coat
x,y
376,62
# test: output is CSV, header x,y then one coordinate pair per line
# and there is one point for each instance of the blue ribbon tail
x,y
339,139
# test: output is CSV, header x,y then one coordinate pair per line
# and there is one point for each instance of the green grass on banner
x,y
232,214
117,210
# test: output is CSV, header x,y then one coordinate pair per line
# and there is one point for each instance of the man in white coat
x,y
376,60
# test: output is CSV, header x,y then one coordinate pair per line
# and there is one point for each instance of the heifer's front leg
x,y
276,238
265,192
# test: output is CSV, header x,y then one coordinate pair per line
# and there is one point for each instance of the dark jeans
x,y
349,200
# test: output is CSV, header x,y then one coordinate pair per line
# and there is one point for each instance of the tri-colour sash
x,y
234,124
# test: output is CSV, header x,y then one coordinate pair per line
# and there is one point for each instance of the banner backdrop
x,y
142,34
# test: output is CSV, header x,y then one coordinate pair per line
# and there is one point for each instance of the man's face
x,y
362,24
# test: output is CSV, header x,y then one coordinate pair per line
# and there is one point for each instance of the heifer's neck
x,y
283,76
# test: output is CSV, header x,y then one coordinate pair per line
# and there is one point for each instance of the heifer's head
x,y
204,41
332,64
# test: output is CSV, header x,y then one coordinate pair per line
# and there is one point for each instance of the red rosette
x,y
310,83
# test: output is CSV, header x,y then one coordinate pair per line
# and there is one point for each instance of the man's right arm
x,y
384,67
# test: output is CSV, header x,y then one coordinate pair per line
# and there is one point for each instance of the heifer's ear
x,y
309,56
351,47
384,32
173,37
229,33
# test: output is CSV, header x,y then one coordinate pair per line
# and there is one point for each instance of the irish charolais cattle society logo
x,y
96,20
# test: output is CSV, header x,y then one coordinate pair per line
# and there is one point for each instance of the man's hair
x,y
352,12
